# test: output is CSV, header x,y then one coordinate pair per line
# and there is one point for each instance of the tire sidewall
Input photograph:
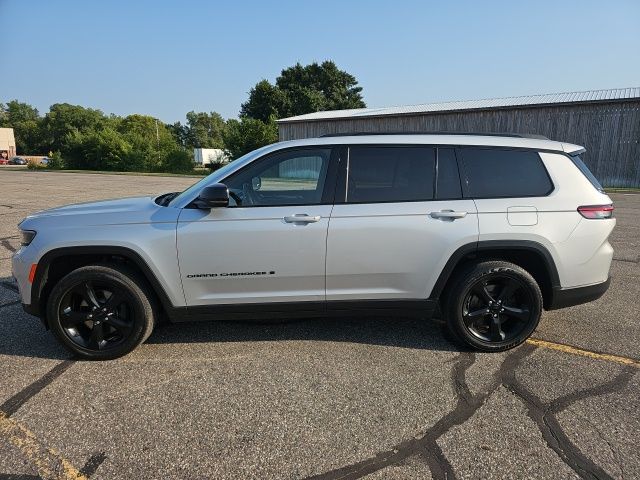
x,y
135,297
483,270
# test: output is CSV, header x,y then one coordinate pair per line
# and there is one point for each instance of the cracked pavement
x,y
327,398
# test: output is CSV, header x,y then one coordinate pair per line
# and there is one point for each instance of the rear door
x,y
398,217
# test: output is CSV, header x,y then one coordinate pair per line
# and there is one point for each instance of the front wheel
x,y
493,306
100,312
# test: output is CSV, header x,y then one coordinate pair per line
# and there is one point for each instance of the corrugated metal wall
x,y
609,131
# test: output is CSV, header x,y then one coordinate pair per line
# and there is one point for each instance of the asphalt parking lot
x,y
375,398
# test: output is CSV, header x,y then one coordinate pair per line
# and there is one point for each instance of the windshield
x,y
215,176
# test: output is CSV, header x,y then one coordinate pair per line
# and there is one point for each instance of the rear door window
x,y
504,173
448,184
390,174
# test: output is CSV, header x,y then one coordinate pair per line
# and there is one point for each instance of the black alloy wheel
x,y
102,312
493,305
96,316
497,308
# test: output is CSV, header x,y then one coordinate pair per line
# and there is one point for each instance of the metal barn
x,y
605,122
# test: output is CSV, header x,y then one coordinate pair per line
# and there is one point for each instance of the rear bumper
x,y
568,297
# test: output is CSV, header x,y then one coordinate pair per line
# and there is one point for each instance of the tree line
x,y
86,138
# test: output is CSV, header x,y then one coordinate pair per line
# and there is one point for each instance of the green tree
x,y
150,140
26,124
205,130
64,120
105,149
265,101
303,89
179,133
247,134
16,112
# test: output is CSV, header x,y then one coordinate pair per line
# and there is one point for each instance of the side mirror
x,y
216,195
256,183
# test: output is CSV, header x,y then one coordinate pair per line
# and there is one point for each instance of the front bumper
x,y
568,297
20,267
31,309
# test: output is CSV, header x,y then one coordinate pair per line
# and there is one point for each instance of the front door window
x,y
295,177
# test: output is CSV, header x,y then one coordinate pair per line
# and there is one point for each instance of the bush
x,y
213,166
178,161
34,165
55,161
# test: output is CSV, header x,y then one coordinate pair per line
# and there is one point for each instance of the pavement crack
x,y
427,445
612,449
459,380
617,383
467,404
544,415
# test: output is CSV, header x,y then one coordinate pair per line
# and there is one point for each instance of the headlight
x,y
27,236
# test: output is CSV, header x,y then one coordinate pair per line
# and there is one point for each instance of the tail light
x,y
596,211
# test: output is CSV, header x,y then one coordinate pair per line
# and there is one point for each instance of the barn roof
x,y
607,95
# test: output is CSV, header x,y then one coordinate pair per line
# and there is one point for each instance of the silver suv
x,y
490,229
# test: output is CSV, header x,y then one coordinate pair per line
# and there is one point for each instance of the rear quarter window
x,y
578,162
503,173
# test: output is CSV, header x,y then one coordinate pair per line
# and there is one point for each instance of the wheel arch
x,y
58,262
530,255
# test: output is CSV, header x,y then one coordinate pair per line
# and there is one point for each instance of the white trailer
x,y
205,156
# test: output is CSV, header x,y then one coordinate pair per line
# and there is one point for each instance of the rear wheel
x,y
100,312
493,306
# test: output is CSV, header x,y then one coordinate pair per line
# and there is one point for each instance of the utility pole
x,y
158,142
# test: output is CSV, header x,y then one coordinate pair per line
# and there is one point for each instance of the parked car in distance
x,y
17,161
44,161
488,229
4,161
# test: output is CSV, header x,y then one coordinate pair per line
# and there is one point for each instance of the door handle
x,y
302,218
448,214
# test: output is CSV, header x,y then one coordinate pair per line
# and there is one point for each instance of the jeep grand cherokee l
x,y
491,229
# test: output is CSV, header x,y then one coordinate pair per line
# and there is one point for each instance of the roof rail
x,y
480,134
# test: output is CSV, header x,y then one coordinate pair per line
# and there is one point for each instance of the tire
x,y
493,306
101,312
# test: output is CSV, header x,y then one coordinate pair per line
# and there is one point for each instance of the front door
x,y
269,245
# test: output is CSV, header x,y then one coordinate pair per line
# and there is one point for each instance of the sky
x,y
165,58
